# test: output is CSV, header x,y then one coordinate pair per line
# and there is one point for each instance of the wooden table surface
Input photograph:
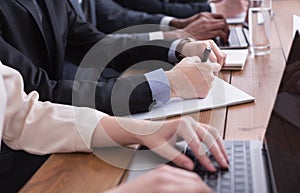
x,y
260,78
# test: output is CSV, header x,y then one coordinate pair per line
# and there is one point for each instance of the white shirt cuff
x,y
86,120
165,23
213,7
159,35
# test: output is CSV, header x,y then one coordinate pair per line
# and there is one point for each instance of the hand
x,y
291,79
231,8
207,26
196,48
182,23
165,179
160,137
163,137
191,78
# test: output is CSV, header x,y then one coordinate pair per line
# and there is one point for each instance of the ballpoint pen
x,y
206,54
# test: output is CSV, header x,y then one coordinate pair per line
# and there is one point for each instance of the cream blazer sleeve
x,y
42,127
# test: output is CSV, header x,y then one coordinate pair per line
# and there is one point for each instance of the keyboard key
x,y
239,187
226,190
225,183
239,167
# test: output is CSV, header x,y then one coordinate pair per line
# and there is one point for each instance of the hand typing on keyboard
x,y
195,134
233,179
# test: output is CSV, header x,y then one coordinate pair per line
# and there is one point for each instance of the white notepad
x,y
296,24
236,59
222,94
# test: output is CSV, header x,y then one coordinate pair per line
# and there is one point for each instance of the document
x,y
236,59
222,94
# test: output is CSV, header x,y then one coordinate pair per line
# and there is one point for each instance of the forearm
x,y
117,131
43,127
113,131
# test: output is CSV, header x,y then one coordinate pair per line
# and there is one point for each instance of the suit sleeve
x,y
86,93
179,10
112,17
185,1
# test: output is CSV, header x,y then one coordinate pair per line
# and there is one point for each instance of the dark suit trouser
x,y
16,168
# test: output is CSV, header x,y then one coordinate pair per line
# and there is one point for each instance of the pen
x,y
206,54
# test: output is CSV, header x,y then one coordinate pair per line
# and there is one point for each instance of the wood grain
x,y
74,173
260,78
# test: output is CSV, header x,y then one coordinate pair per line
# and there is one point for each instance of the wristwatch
x,y
179,47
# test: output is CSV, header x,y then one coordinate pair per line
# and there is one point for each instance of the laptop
x,y
255,167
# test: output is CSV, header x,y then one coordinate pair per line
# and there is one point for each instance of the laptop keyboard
x,y
236,39
238,178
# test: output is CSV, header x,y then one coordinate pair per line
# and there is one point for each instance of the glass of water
x,y
259,18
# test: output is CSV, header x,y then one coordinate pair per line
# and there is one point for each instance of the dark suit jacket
x,y
184,1
17,167
23,47
109,16
179,10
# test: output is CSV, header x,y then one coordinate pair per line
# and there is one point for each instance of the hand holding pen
x,y
192,49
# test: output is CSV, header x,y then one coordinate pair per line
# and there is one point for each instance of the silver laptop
x,y
259,167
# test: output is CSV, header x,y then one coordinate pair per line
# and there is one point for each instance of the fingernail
x,y
224,161
213,169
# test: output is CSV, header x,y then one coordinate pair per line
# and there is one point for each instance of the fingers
x,y
196,49
176,180
192,137
171,153
206,66
220,33
210,137
218,141
217,16
218,24
213,67
196,133
218,56
211,15
200,152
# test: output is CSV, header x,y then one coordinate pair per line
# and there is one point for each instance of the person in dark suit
x,y
179,10
184,1
38,35
108,17
229,8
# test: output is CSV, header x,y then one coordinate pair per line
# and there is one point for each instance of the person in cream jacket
x,y
44,128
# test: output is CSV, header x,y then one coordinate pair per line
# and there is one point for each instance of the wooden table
x,y
261,77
